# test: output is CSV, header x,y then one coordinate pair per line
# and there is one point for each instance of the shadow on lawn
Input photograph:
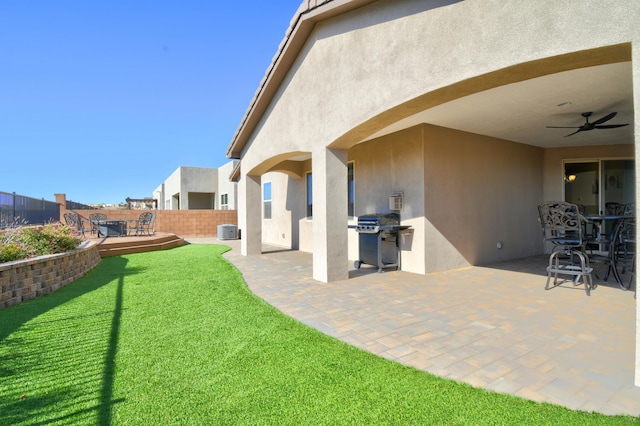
x,y
16,405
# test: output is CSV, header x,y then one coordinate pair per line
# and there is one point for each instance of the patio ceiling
x,y
519,112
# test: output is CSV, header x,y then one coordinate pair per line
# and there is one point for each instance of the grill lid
x,y
374,223
376,219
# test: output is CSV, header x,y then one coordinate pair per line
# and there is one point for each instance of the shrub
x,y
12,252
22,242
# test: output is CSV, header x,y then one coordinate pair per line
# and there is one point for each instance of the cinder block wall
x,y
25,279
183,223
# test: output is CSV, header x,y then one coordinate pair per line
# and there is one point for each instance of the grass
x,y
175,337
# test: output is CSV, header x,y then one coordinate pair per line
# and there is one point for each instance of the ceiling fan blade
x,y
605,118
610,126
561,127
579,130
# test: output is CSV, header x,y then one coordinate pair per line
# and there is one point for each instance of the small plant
x,y
22,242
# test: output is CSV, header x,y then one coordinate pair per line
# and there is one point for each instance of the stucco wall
x,y
398,51
201,200
384,166
199,179
172,190
197,187
463,194
279,230
479,191
225,186
196,180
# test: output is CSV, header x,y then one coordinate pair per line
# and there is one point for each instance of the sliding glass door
x,y
618,181
593,183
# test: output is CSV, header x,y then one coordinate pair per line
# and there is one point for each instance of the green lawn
x,y
175,337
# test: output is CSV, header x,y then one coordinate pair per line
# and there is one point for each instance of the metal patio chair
x,y
563,226
144,224
75,222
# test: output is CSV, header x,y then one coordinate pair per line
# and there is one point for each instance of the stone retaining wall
x,y
25,279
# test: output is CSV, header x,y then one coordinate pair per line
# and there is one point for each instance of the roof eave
x,y
301,27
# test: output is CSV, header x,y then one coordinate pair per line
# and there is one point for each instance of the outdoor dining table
x,y
598,221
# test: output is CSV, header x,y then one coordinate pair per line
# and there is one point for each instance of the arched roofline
x,y
512,74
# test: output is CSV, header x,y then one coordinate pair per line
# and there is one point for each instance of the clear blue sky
x,y
103,100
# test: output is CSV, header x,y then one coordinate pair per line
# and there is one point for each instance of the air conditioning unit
x,y
227,232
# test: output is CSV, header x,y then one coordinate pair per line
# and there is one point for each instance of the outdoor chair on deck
x,y
75,222
562,225
144,224
94,218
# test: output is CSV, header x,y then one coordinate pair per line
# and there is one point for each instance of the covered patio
x,y
493,327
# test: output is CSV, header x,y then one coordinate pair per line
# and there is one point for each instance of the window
x,y
350,192
224,202
351,187
309,197
266,200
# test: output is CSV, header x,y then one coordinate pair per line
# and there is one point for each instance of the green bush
x,y
10,252
23,242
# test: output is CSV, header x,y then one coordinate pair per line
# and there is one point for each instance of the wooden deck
x,y
116,246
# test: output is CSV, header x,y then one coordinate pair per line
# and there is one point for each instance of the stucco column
x,y
635,63
330,245
250,214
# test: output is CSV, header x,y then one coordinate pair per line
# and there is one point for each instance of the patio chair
x,y
144,224
614,209
563,226
623,250
93,220
75,222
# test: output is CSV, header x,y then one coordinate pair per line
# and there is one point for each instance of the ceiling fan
x,y
590,126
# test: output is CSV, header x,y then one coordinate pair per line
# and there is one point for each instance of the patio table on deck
x,y
598,221
112,228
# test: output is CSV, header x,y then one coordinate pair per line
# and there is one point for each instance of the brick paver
x,y
492,327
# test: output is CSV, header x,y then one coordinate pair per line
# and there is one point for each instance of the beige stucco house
x,y
198,188
446,103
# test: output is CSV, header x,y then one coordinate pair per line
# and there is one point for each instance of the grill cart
x,y
378,240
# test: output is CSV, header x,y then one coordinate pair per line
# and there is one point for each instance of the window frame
x,y
351,189
309,195
267,211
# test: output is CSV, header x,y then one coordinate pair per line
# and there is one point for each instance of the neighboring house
x,y
447,103
142,203
198,188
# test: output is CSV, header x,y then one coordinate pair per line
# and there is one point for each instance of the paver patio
x,y
493,327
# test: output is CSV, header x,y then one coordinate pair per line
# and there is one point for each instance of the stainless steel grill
x,y
378,240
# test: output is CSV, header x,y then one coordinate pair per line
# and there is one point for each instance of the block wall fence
x,y
183,223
